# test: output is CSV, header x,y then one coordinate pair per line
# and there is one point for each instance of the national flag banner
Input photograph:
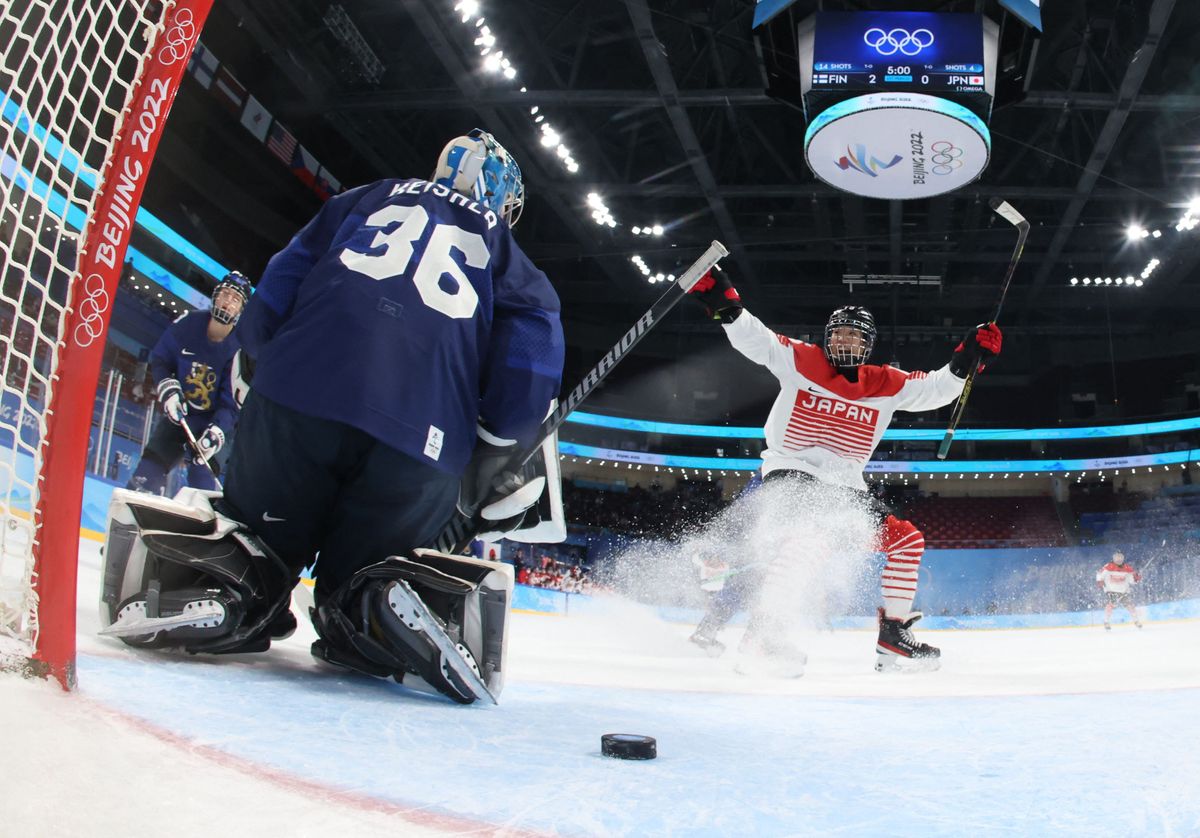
x,y
229,91
256,119
203,65
976,80
281,143
327,185
305,166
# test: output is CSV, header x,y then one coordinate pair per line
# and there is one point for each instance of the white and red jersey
x,y
1116,578
821,423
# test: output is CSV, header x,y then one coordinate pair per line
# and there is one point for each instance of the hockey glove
x,y
496,489
242,374
210,442
170,398
979,346
719,297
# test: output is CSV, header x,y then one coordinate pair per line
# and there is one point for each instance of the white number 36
x,y
435,262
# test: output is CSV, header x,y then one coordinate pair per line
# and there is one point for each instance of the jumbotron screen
x,y
913,51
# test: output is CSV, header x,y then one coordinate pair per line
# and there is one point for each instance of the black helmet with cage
x,y
841,347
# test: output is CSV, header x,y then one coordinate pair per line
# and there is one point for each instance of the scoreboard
x,y
924,52
897,102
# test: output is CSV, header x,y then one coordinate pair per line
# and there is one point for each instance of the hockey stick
x,y
191,438
1005,211
458,533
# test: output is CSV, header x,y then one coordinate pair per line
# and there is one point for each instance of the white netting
x,y
66,72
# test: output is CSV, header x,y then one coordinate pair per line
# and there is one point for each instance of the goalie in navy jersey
x,y
192,369
403,349
831,412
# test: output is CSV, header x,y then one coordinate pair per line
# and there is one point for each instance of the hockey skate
x,y
712,647
897,649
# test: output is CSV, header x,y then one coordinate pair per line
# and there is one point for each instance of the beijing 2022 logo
x,y
892,41
859,159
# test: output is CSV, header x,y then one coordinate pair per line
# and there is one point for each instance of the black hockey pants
x,y
309,486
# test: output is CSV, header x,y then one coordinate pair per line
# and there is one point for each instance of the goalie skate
x,y
197,616
897,650
455,662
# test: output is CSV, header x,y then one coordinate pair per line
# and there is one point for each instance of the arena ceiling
x,y
663,107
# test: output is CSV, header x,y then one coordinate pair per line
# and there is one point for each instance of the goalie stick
x,y
1004,210
458,533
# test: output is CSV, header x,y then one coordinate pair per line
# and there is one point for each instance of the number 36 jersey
x,y
822,423
409,312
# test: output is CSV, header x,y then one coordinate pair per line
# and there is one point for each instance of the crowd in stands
x,y
653,512
543,570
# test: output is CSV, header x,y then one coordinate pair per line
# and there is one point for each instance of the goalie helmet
x,y
479,168
843,352
227,308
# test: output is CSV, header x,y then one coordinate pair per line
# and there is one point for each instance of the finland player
x,y
830,414
191,365
404,347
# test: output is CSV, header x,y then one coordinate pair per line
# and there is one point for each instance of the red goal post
x,y
86,87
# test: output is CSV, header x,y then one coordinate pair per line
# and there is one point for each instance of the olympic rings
x,y
945,157
92,309
178,38
898,40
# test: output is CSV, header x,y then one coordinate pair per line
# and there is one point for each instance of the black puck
x,y
628,746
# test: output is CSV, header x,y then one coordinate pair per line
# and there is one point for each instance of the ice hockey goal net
x,y
85,87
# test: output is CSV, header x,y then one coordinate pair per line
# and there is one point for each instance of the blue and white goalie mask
x,y
479,168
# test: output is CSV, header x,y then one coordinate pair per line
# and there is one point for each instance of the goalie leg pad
x,y
432,622
177,574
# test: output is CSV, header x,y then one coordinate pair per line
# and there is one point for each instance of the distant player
x,y
830,414
1115,579
728,589
191,365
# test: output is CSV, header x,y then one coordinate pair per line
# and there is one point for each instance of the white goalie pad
x,y
190,511
485,612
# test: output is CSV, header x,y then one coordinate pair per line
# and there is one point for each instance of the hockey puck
x,y
628,746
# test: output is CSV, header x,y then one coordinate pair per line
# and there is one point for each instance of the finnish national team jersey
x,y
408,311
1116,578
202,367
822,423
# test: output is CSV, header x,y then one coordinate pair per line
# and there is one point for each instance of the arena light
x,y
1136,232
467,8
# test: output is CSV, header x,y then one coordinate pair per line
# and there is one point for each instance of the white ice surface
x,y
1061,731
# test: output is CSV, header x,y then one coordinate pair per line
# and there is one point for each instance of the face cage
x,y
844,356
225,316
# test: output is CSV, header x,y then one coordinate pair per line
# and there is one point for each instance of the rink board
x,y
97,492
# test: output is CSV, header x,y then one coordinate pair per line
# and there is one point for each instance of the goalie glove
x,y
719,297
494,487
980,345
209,443
170,398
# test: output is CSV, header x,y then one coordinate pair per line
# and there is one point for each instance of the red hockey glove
x,y
719,297
980,345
